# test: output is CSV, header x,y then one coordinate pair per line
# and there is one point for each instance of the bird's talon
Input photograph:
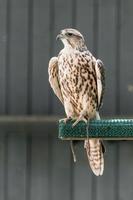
x,y
65,120
78,120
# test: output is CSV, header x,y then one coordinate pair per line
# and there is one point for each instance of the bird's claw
x,y
66,119
78,120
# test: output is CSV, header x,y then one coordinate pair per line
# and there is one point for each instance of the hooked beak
x,y
59,36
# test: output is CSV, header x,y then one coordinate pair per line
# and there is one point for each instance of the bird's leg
x,y
97,116
80,118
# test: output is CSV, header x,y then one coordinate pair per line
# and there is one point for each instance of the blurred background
x,y
34,164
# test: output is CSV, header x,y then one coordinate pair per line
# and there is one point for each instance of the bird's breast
x,y
74,73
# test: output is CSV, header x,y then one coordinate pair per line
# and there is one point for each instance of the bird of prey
x,y
77,78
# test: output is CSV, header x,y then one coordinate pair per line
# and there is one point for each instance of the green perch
x,y
106,129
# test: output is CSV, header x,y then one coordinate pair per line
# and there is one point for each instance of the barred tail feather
x,y
94,151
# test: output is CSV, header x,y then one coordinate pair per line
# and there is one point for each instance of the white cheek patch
x,y
65,42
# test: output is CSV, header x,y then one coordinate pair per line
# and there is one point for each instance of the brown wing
x,y
54,78
100,72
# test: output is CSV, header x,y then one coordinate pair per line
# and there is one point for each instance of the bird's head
x,y
71,38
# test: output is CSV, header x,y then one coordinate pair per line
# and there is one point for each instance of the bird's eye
x,y
69,34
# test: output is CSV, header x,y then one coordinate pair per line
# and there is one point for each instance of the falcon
x,y
77,78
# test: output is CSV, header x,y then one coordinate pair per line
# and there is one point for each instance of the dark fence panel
x,y
126,58
35,164
17,57
107,36
3,49
39,166
40,42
